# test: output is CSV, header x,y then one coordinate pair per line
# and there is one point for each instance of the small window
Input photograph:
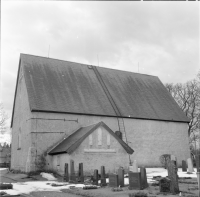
x,y
90,140
99,137
108,140
58,160
19,139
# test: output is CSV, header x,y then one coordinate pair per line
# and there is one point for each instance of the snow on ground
x,y
3,171
48,176
27,187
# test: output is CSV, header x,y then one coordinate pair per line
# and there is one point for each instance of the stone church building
x,y
96,116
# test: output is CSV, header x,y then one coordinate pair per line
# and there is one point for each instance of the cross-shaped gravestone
x,y
172,174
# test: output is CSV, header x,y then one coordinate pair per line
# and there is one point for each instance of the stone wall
x,y
21,123
94,160
149,139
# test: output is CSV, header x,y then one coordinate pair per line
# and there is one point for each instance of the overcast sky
x,y
162,37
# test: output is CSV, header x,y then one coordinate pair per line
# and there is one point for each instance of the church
x,y
93,115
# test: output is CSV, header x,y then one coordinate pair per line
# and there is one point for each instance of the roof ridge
x,y
90,125
84,64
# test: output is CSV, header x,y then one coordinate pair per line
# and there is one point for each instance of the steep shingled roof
x,y
67,87
72,142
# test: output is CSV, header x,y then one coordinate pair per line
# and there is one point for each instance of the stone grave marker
x,y
135,166
135,180
184,166
130,168
173,176
113,180
103,176
121,177
95,177
80,173
198,163
72,176
174,158
66,175
190,165
165,184
144,178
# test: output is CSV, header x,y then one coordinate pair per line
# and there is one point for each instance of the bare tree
x,y
187,97
3,118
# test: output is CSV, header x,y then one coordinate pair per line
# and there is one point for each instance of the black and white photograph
x,y
100,98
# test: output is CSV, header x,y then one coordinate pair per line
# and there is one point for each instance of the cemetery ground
x,y
38,186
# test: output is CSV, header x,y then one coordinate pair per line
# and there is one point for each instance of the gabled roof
x,y
65,87
69,144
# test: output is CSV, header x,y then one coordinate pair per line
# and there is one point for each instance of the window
x,y
58,160
99,136
19,140
90,140
108,140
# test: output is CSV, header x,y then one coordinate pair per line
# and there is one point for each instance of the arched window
x,y
99,136
19,139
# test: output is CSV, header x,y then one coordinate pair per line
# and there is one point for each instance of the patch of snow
x,y
28,187
48,176
3,169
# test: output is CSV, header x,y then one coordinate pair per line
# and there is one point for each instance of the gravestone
x,y
184,166
72,176
113,180
121,177
198,163
95,177
131,168
190,165
80,173
173,176
143,177
66,175
135,166
135,180
174,158
103,176
165,184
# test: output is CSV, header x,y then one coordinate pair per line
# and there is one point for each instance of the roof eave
x,y
19,66
57,153
128,117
